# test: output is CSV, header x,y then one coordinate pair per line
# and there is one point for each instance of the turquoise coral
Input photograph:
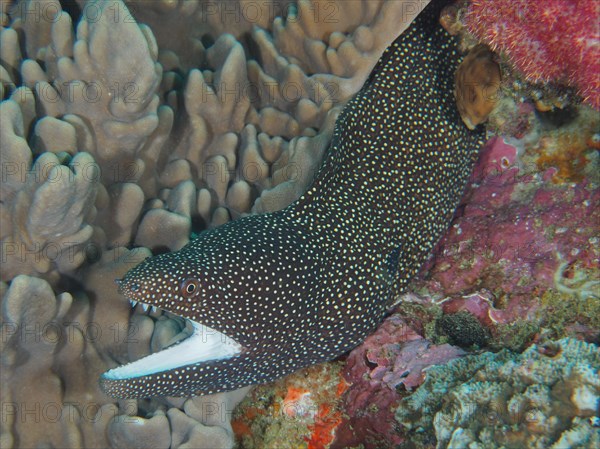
x,y
539,399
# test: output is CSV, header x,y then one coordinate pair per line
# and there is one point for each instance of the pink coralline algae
x,y
550,40
515,236
395,355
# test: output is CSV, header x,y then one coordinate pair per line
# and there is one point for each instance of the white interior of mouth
x,y
203,345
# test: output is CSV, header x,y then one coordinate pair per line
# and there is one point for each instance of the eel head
x,y
175,283
241,332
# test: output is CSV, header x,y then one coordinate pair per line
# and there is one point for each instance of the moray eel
x,y
269,294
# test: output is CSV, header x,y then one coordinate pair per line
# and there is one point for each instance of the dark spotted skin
x,y
310,282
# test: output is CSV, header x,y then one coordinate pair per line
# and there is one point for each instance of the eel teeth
x,y
145,307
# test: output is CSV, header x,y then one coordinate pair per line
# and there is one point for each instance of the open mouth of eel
x,y
196,343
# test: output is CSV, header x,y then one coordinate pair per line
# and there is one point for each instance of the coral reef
x,y
537,399
518,230
519,265
554,40
136,124
227,112
463,329
392,359
302,409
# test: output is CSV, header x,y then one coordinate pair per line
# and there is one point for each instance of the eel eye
x,y
190,288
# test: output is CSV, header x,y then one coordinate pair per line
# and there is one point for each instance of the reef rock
x,y
537,399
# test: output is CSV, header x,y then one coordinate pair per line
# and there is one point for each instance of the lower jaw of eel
x,y
203,344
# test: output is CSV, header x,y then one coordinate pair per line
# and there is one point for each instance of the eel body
x,y
269,294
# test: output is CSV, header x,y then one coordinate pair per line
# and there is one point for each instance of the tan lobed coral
x,y
137,123
546,397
